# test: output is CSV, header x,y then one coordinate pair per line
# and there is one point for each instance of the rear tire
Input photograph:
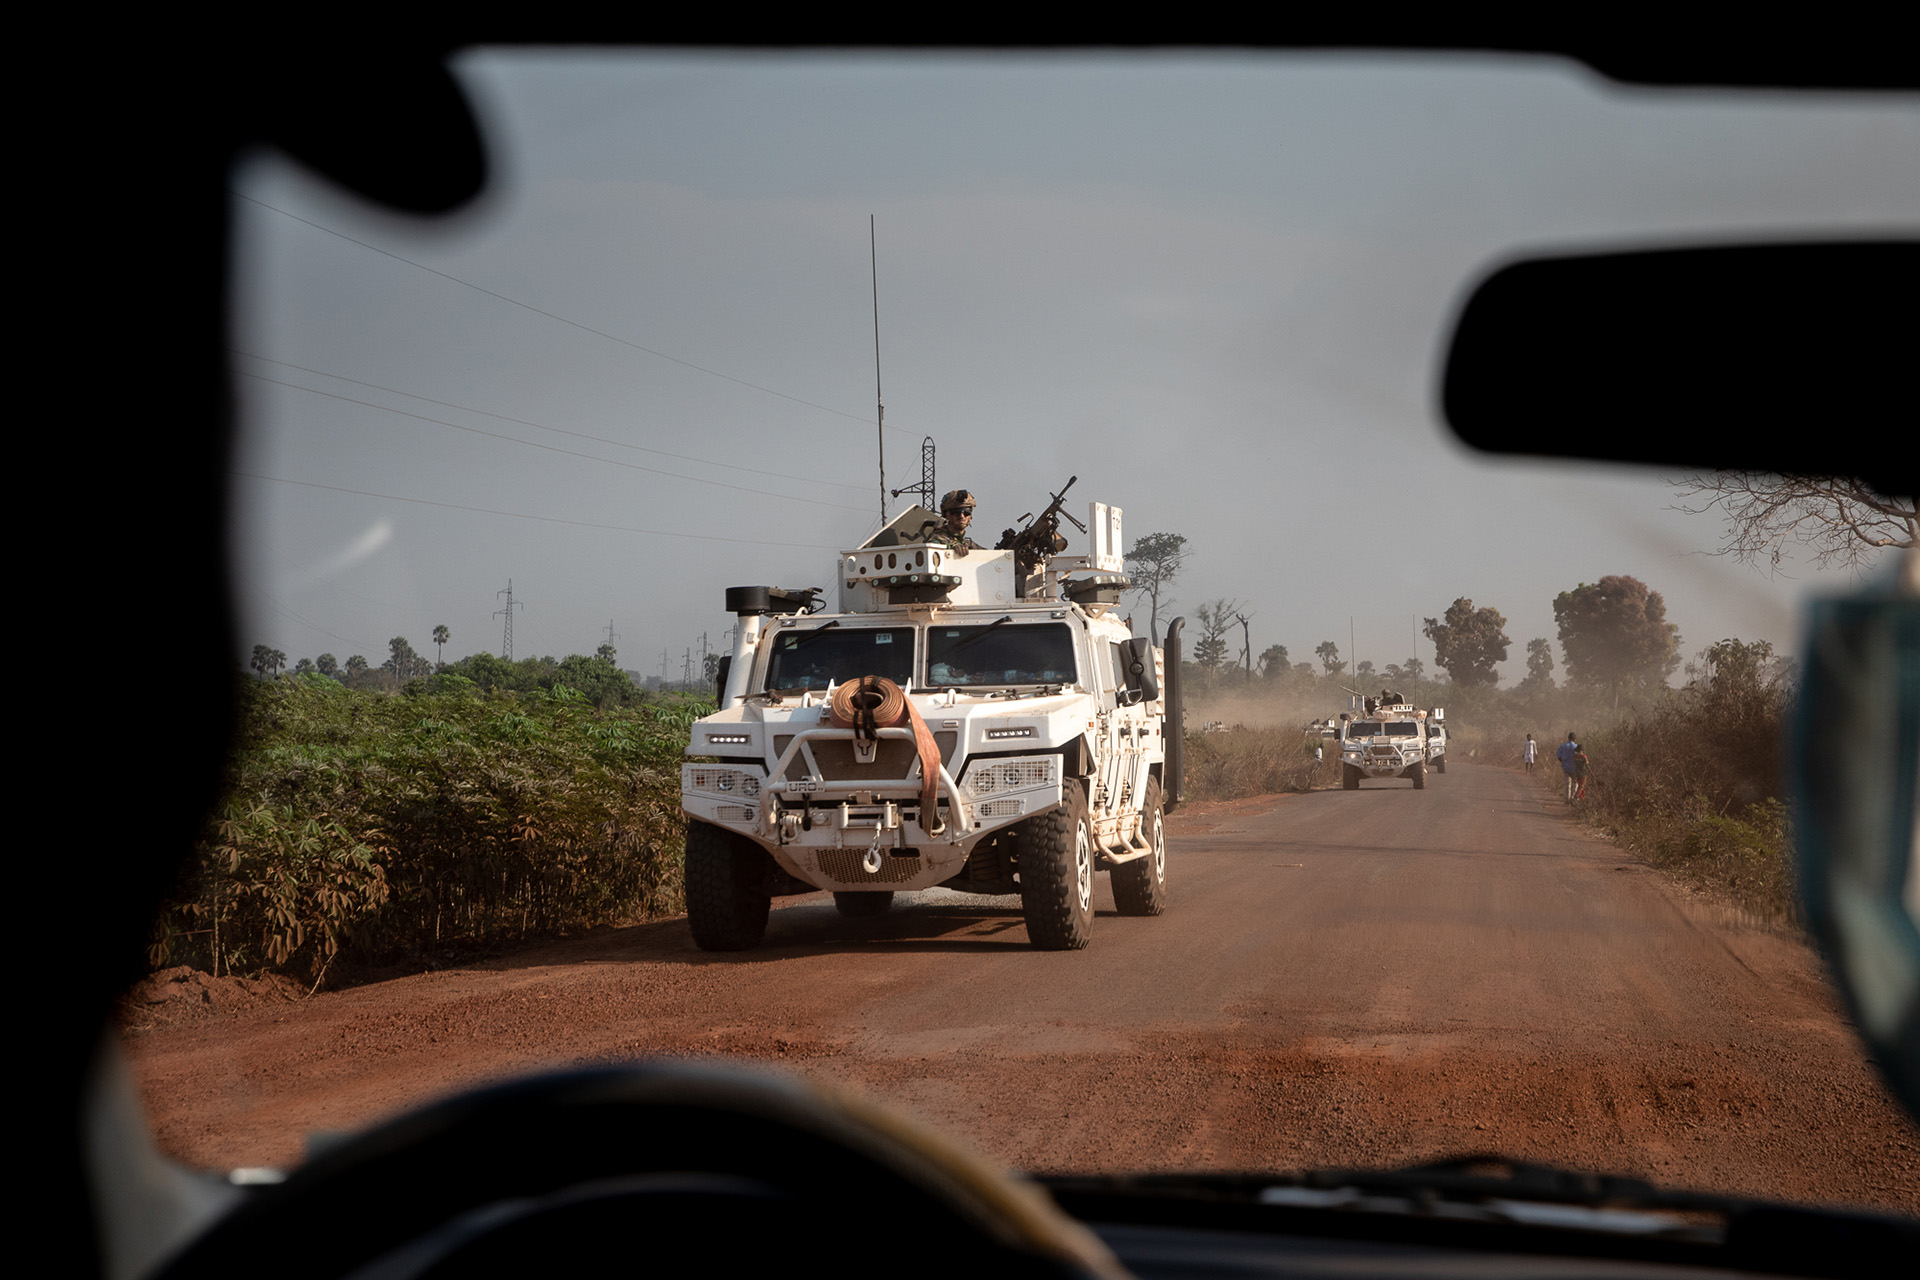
x,y
727,895
1056,873
1349,778
863,906
1140,886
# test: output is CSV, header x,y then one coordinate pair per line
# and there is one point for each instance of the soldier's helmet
x,y
957,499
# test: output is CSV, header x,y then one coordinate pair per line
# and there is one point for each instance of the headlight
x,y
1010,775
721,781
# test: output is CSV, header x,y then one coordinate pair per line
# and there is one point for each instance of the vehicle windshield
x,y
815,658
495,474
1001,654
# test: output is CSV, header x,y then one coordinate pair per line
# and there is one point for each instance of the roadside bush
x,y
1251,762
373,829
1693,784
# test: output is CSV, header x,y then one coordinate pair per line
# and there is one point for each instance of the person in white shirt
x,y
1528,750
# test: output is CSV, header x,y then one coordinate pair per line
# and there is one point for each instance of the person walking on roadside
x,y
1580,775
1565,755
1528,750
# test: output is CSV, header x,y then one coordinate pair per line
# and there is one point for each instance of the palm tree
x,y
440,637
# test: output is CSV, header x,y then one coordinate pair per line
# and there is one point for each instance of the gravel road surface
x,y
1341,978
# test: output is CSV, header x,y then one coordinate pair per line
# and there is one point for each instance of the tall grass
x,y
1251,762
361,829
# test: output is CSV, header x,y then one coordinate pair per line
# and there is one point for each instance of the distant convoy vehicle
x,y
969,719
1391,739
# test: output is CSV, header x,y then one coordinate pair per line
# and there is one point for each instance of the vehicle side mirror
x,y
1855,770
1137,659
720,674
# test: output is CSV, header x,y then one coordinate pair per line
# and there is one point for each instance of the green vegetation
x,y
1692,782
363,829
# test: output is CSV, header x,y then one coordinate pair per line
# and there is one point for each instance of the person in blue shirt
x,y
1566,756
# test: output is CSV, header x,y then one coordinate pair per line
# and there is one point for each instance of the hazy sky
x,y
1217,289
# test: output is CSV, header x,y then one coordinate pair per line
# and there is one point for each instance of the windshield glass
x,y
1403,728
814,659
999,655
494,475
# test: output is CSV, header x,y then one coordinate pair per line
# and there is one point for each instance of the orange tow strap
x,y
875,702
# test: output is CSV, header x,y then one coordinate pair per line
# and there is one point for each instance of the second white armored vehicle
x,y
1389,740
974,720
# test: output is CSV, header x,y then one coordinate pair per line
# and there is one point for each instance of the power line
x,y
600,333
521,515
534,444
303,621
582,435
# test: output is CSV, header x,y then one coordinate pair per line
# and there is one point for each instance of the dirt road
x,y
1372,977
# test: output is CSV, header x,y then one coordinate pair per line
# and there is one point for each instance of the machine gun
x,y
1040,536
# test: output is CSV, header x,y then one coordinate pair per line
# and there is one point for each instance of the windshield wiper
x,y
811,636
980,634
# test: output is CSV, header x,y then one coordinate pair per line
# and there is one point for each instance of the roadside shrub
x,y
1693,784
375,829
1251,762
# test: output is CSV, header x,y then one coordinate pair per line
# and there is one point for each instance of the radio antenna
x,y
879,405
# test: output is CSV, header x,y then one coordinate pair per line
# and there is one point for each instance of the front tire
x,y
1349,778
1140,886
863,906
1419,775
727,895
1056,874
1441,764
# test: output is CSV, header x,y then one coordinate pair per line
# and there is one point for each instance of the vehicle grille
x,y
1000,808
733,812
891,763
844,865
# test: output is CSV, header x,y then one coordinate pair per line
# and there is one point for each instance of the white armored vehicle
x,y
1390,739
974,720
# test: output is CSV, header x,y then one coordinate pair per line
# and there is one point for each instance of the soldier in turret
x,y
957,507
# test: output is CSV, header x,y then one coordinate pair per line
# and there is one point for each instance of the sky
x,y
1216,288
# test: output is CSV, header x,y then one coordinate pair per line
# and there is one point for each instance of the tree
x,y
1154,562
303,666
1615,635
606,653
327,665
440,637
1539,665
259,660
356,666
1842,521
1329,654
404,662
1469,643
1364,674
1274,662
1215,620
1731,667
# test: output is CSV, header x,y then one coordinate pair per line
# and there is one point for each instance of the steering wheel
x,y
715,1170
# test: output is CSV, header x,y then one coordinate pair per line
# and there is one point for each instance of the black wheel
x,y
1419,776
727,894
1441,764
863,906
1140,886
1349,778
1056,874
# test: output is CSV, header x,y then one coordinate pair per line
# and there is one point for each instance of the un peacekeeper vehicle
x,y
1437,739
974,720
1389,740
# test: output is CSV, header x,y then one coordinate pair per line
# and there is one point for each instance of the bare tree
x,y
1840,520
1155,561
